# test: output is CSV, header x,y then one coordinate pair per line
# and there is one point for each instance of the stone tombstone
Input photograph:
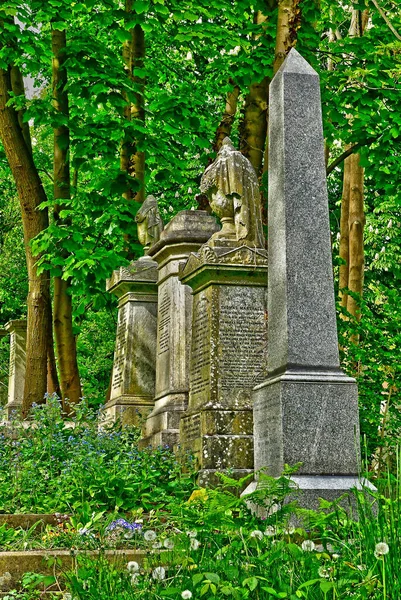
x,y
3,376
16,375
307,409
228,278
185,233
133,377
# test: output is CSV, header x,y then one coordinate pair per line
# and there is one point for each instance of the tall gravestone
x,y
184,234
16,375
229,328
3,375
134,367
307,409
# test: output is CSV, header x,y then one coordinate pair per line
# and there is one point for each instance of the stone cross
x,y
307,410
16,377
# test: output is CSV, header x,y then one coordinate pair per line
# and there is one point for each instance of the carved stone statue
x,y
150,224
232,187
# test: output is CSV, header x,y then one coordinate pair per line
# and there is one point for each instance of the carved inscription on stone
x,y
190,428
200,360
120,349
164,323
243,341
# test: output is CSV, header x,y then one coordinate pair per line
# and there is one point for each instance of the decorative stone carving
x,y
232,187
149,222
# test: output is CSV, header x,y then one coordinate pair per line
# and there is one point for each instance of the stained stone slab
x,y
16,375
228,358
184,234
307,409
3,376
134,366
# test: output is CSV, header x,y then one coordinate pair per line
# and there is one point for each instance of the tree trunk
x,y
17,86
344,233
356,225
65,340
132,157
31,195
226,123
288,23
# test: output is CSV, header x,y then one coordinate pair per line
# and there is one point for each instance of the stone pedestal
x,y
228,358
307,410
133,379
185,233
16,375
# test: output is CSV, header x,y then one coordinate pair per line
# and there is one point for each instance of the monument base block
x,y
162,427
309,489
309,418
221,441
128,410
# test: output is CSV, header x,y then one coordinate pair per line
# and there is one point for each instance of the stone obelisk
x,y
307,410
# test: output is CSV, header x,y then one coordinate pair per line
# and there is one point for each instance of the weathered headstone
x,y
133,379
134,368
228,277
185,233
3,375
16,375
307,410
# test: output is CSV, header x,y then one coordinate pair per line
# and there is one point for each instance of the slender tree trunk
x,y
17,86
31,195
288,23
132,156
344,233
226,123
65,339
356,226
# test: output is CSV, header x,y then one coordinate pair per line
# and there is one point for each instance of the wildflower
x,y
159,573
84,531
150,535
189,190
134,578
191,534
323,572
133,566
308,546
177,194
289,530
157,544
194,544
186,594
67,596
257,534
381,549
270,531
168,543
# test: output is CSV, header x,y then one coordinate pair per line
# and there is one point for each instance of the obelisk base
x,y
162,427
128,410
309,418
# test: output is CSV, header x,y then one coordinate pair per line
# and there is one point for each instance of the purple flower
x,y
134,527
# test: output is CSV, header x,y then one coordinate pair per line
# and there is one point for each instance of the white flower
x,y
381,549
133,566
67,596
186,594
150,535
168,543
194,544
234,51
289,530
134,578
390,223
189,56
308,546
257,534
270,531
157,544
159,573
191,534
323,572
189,190
335,556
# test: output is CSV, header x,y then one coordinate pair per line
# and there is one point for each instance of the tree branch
x,y
347,153
383,14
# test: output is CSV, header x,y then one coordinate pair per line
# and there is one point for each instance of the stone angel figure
x,y
149,222
232,187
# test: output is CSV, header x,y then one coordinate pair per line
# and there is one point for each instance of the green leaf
x,y
213,577
141,6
